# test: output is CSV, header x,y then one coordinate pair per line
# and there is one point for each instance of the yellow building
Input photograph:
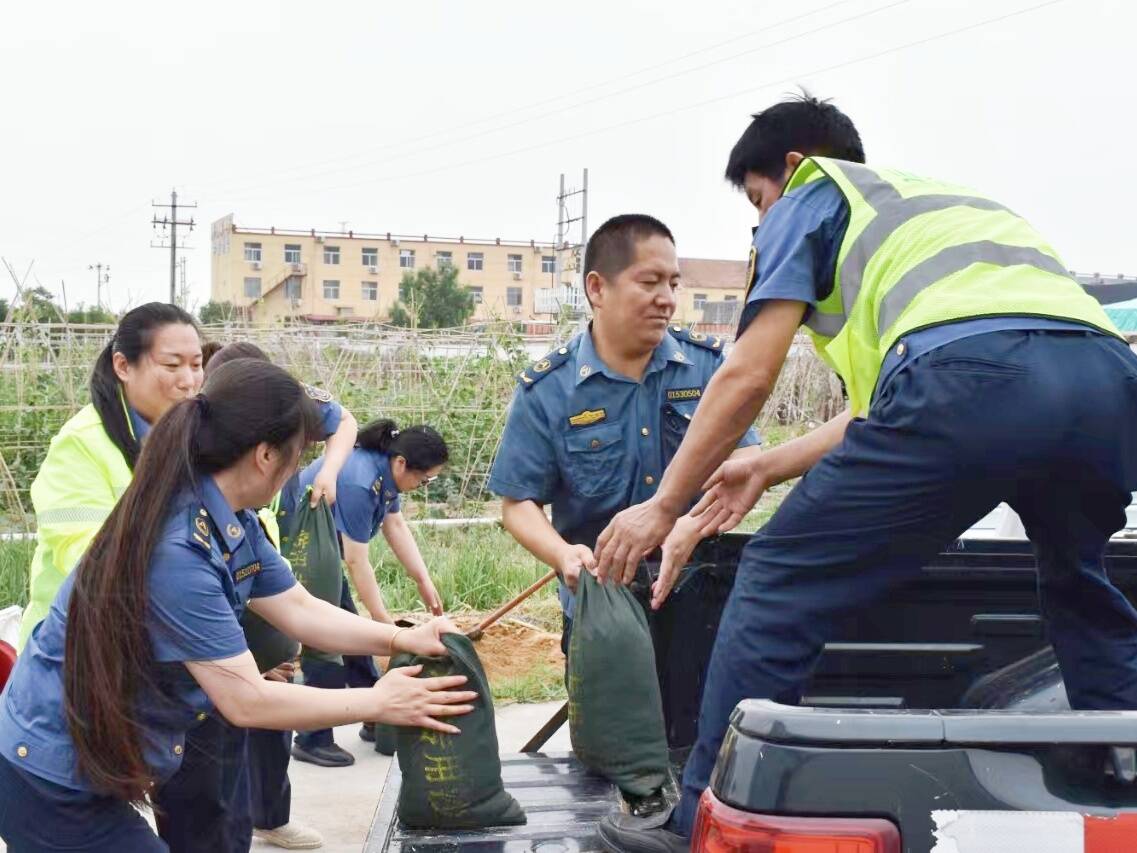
x,y
275,274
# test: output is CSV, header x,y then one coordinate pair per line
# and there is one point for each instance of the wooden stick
x,y
476,632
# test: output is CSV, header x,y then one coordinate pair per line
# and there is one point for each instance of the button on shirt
x,y
207,564
592,442
365,493
796,247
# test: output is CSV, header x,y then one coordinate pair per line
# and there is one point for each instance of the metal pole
x,y
173,247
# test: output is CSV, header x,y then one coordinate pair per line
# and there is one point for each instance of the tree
x,y
216,312
3,309
38,305
90,315
432,299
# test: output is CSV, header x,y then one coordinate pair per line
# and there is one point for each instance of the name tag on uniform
x,y
684,393
588,417
247,571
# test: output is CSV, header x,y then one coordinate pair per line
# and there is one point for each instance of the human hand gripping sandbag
x,y
454,781
615,709
308,541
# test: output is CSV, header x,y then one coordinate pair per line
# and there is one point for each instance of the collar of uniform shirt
x,y
224,519
139,424
588,362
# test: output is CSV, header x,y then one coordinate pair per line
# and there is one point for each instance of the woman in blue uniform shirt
x,y
233,783
144,635
386,462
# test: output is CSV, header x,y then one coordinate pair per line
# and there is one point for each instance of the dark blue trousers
x,y
1041,420
204,806
270,791
356,671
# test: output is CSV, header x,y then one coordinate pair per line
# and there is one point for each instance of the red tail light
x,y
722,829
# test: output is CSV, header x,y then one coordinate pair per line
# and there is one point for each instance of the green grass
x,y
545,683
15,558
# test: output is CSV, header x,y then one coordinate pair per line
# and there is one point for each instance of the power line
x,y
488,131
686,108
532,105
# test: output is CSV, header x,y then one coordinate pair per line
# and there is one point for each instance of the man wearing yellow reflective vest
x,y
978,371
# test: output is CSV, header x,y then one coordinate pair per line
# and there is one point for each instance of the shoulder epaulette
x,y
317,394
541,368
711,342
199,528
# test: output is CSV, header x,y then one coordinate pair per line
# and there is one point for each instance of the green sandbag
x,y
308,541
454,781
269,646
615,710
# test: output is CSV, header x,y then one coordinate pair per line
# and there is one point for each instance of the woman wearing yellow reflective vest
x,y
152,362
978,371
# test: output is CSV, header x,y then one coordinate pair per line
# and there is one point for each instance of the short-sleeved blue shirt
x,y
365,493
592,442
331,412
796,250
207,564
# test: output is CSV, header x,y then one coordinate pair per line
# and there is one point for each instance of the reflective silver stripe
x,y
876,191
952,260
826,325
72,515
870,240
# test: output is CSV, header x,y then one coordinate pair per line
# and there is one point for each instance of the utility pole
x,y
565,221
101,278
184,291
172,222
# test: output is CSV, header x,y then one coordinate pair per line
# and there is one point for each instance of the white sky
x,y
457,118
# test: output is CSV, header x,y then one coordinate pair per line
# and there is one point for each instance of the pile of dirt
x,y
509,648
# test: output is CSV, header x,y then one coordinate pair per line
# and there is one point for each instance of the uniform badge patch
x,y
588,417
751,269
247,571
233,531
541,366
684,393
318,394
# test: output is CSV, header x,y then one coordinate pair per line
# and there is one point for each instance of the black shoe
x,y
367,732
324,756
621,833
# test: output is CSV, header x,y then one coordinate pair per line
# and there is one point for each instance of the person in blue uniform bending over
x,y
386,462
144,635
593,424
978,371
234,781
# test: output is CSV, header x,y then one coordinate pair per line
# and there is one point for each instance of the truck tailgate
x,y
562,801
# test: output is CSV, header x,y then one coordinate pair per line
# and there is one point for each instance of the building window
x,y
730,299
331,254
548,263
253,288
370,257
407,259
370,291
513,296
700,301
292,289
475,261
444,259
476,292
331,289
514,263
292,253
253,252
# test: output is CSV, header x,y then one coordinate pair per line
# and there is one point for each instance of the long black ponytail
x,y
133,338
108,653
421,445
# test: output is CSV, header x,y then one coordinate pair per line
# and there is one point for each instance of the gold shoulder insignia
x,y
543,367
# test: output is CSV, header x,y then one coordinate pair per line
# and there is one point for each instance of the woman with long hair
x,y
144,635
386,462
152,362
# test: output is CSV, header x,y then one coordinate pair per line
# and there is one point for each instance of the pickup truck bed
x,y
945,697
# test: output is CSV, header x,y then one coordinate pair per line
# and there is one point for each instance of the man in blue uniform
x,y
978,372
593,424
